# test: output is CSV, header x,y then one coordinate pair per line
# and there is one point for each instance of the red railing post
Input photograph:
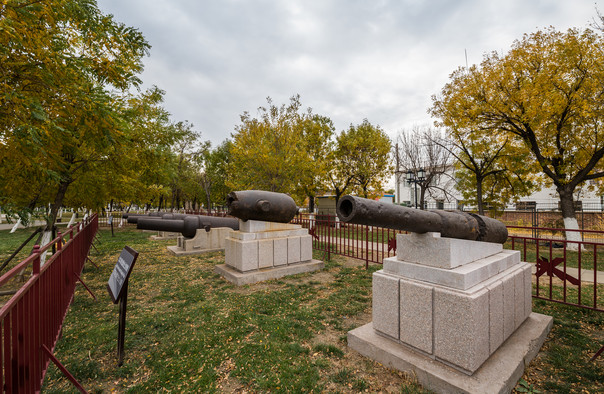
x,y
36,262
366,247
328,243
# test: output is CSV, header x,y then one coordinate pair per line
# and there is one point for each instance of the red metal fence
x,y
31,321
568,272
369,243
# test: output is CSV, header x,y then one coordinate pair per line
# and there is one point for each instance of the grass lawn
x,y
188,330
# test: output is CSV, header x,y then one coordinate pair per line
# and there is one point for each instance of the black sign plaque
x,y
118,290
121,273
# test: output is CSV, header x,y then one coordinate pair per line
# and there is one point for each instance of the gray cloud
x,y
349,60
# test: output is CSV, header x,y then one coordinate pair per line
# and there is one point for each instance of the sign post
x,y
118,290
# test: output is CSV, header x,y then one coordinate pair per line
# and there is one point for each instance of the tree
x,y
62,62
140,169
188,156
363,152
424,148
341,176
272,152
545,95
318,131
215,174
488,171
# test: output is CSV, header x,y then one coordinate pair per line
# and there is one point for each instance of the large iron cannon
x,y
261,205
450,224
188,225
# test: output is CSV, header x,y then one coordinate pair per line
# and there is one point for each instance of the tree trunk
x,y
311,204
54,210
338,194
567,206
479,196
422,197
209,201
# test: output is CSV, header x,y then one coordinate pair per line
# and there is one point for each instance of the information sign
x,y
118,290
121,273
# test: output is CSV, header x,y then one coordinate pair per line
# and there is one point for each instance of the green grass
x,y
563,365
188,330
10,242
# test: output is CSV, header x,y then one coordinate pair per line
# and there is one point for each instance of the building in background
x,y
444,195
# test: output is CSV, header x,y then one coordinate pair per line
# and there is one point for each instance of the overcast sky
x,y
348,59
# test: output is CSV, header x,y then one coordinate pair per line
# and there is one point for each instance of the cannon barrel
x,y
261,205
133,217
450,224
187,226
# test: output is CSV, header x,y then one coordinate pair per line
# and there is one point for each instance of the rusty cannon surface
x,y
187,226
450,224
261,205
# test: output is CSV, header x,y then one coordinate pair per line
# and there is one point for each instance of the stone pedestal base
x,y
458,314
243,278
161,235
203,242
259,248
498,374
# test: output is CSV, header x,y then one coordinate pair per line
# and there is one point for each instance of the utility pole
x,y
397,175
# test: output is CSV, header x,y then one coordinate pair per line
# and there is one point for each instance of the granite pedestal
x,y
267,250
453,303
203,242
162,235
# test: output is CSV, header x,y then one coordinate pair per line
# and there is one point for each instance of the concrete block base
x,y
499,373
161,235
178,251
242,278
203,242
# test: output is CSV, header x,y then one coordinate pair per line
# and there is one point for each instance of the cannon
x,y
450,224
187,226
261,205
133,217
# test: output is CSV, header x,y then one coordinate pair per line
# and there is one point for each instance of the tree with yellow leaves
x,y
363,153
281,151
545,95
63,66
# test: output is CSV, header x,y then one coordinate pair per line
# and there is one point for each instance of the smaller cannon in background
x,y
187,226
133,217
261,205
450,224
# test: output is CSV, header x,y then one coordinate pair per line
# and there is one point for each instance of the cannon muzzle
x,y
450,224
261,205
187,226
